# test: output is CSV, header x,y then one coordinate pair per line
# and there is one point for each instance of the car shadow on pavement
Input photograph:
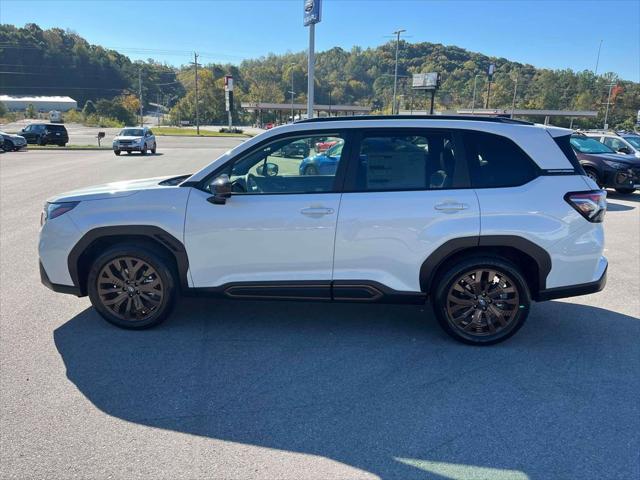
x,y
377,387
618,207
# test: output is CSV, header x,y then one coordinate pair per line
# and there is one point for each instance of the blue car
x,y
325,163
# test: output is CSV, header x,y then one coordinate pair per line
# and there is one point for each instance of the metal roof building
x,y
41,104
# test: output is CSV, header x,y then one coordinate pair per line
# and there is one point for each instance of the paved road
x,y
82,135
303,391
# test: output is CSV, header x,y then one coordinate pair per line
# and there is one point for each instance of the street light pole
x,y
395,75
473,102
515,90
195,63
598,59
292,91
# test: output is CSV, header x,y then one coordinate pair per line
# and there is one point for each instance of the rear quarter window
x,y
496,161
56,128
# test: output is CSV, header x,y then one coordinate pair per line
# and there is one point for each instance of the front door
x,y
275,234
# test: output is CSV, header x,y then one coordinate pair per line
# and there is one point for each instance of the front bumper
x,y
574,290
69,289
127,148
624,178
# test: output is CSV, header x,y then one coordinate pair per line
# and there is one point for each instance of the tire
x,y
593,175
117,153
144,150
625,191
129,307
311,170
8,146
479,323
61,144
153,150
128,152
41,141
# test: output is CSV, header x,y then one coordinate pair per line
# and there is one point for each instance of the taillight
x,y
592,204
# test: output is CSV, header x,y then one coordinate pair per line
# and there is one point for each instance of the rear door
x,y
406,193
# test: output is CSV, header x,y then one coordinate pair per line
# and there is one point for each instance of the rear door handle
x,y
317,211
451,206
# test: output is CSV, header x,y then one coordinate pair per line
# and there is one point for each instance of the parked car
x,y
324,145
324,163
45,134
624,143
606,167
399,221
296,149
134,139
12,142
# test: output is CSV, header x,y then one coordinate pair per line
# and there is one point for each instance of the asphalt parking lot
x,y
278,390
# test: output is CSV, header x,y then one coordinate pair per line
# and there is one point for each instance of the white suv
x,y
479,215
134,139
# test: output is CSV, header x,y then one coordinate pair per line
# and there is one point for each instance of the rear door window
x,y
496,161
407,160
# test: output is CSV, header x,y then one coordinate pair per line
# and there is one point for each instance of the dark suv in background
x,y
45,133
606,167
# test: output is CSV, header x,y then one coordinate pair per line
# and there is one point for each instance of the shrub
x,y
231,130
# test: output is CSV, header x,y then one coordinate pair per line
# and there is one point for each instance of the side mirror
x,y
221,189
267,169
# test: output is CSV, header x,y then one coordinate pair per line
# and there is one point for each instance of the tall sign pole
x,y
228,97
312,14
490,71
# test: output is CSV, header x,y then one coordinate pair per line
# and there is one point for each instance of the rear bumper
x,y
574,290
69,289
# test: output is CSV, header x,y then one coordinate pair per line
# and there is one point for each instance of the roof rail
x,y
476,118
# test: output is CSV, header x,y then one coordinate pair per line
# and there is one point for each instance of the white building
x,y
41,104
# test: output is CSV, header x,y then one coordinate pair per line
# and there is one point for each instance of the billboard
x,y
426,81
312,11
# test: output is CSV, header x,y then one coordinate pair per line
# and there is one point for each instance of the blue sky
x,y
545,33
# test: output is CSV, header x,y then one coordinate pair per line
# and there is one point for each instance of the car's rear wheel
x,y
311,170
132,287
625,191
61,144
117,152
41,141
481,301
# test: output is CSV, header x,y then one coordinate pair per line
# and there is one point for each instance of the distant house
x,y
17,103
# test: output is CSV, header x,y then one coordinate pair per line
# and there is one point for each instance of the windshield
x,y
633,140
589,145
132,132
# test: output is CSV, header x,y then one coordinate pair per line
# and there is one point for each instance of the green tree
x,y
31,111
89,108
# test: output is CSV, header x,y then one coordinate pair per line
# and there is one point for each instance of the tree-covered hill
x,y
58,62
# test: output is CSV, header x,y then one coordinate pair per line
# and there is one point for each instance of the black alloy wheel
x,y
483,301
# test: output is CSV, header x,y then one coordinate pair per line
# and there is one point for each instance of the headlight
x,y
53,210
137,140
616,165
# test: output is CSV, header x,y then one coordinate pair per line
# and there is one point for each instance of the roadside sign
x,y
312,12
491,70
426,81
228,83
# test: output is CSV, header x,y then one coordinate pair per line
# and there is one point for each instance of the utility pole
x,y
395,75
598,59
292,92
140,96
195,64
606,113
473,101
515,90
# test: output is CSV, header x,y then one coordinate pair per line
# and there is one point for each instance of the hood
x,y
127,137
114,189
630,159
11,135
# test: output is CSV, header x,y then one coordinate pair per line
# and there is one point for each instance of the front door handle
x,y
451,206
317,211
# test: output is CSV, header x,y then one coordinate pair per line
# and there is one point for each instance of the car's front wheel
x,y
8,146
153,150
144,149
481,301
117,152
311,170
593,175
132,286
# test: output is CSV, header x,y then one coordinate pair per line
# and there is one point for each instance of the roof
x,y
19,98
415,117
300,106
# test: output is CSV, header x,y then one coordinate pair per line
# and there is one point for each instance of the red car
x,y
269,126
324,146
